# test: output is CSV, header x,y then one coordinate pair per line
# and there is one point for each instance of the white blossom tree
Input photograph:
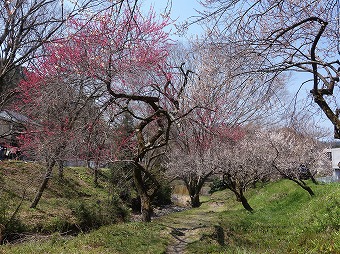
x,y
245,161
191,158
224,98
297,156
298,36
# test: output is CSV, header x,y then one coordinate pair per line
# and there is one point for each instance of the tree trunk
x,y
61,169
43,185
303,186
194,186
308,189
241,198
146,208
245,203
195,200
313,179
95,175
194,191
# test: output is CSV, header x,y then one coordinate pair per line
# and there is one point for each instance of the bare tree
x,y
300,36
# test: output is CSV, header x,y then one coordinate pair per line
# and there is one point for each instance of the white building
x,y
336,163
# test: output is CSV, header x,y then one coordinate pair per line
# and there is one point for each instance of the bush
x,y
96,213
57,224
116,210
163,195
217,185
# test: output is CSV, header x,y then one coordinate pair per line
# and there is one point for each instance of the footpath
x,y
191,226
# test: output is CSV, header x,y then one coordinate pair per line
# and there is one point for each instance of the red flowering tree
x,y
26,27
119,57
56,120
94,144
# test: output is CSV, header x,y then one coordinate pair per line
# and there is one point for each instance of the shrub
x,y
95,213
116,209
57,224
217,185
163,195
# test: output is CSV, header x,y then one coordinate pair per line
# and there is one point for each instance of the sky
x,y
181,10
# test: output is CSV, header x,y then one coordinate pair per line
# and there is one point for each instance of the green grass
x,y
120,238
285,219
61,200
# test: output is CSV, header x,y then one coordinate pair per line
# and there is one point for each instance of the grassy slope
x,y
19,179
286,220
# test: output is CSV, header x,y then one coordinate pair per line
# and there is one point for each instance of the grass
x,y
285,219
57,208
120,238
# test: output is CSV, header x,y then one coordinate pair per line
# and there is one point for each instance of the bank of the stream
x,y
286,220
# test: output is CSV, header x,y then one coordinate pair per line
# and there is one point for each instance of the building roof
x,y
12,116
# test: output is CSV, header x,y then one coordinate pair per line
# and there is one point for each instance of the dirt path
x,y
179,241
189,226
182,237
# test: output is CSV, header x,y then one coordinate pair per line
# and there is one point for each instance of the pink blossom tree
x,y
56,112
94,144
121,55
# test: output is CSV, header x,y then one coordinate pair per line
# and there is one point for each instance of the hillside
x,y
69,205
286,220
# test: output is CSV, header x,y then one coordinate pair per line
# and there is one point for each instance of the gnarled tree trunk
x,y
244,201
194,184
237,189
146,208
61,169
195,200
306,188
